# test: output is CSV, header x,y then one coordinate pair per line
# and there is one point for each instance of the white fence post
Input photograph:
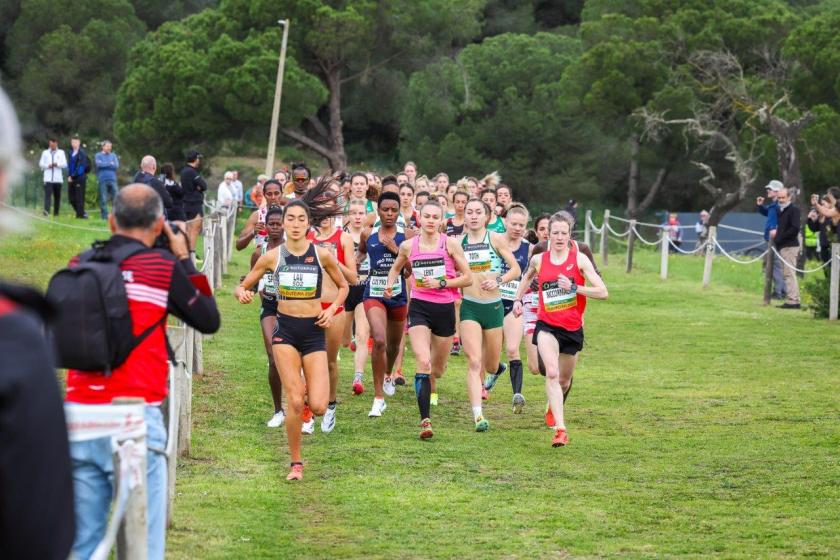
x,y
587,231
604,232
710,255
132,539
631,241
834,284
663,255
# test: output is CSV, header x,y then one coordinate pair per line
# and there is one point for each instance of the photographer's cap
x,y
774,186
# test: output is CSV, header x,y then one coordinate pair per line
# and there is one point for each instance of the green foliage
x,y
817,296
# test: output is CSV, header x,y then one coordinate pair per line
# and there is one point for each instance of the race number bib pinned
x,y
297,281
378,283
556,298
428,268
478,256
508,290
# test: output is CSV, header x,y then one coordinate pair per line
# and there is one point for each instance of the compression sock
x,y
516,376
423,389
331,405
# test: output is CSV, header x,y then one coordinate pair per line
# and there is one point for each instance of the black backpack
x,y
93,329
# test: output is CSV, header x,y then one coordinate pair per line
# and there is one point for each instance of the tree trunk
x,y
339,160
633,182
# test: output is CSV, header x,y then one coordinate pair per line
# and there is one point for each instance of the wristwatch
x,y
499,278
442,283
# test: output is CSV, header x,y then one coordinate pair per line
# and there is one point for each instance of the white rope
x,y
805,271
611,230
46,220
626,221
595,228
733,228
684,252
643,240
739,261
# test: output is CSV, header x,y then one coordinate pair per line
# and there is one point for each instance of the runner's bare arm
x,y
596,288
265,263
399,263
461,265
248,231
330,265
503,248
349,267
530,272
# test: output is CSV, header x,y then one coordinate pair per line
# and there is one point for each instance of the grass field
x,y
702,424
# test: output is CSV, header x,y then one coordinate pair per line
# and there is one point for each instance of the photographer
x,y
158,282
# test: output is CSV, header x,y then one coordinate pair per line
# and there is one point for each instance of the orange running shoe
x,y
296,473
306,415
549,417
561,438
426,429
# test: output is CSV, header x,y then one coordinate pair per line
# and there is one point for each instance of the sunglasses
x,y
300,179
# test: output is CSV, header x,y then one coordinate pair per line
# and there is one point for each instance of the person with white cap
x,y
771,210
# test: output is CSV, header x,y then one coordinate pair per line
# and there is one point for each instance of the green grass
x,y
702,424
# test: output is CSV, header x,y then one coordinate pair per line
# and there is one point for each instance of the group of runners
x,y
361,261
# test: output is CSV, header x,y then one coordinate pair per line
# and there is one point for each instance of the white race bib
x,y
428,268
379,283
557,299
508,290
478,256
297,284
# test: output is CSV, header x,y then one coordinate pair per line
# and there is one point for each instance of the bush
x,y
816,293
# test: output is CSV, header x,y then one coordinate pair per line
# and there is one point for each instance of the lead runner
x,y
561,274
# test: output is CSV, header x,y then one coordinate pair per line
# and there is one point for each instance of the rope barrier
x,y
739,261
48,221
626,221
684,252
611,230
733,228
803,271
595,228
643,240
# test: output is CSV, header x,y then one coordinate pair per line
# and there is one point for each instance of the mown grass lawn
x,y
702,424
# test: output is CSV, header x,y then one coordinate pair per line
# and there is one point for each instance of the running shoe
x,y
296,473
399,378
308,427
353,344
491,378
328,421
518,403
277,420
484,395
456,348
549,416
377,409
433,398
561,438
388,387
358,386
481,424
306,415
426,429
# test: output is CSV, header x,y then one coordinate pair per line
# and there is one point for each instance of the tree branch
x,y
319,127
370,68
299,136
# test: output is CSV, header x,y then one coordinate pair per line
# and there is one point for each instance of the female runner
x,y
255,226
386,315
299,342
488,197
434,260
408,216
482,315
561,274
455,228
326,235
516,222
540,232
356,323
268,311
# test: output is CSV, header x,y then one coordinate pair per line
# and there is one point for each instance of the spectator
x,y
238,193
701,228
824,219
173,187
36,488
77,171
571,208
107,164
771,211
194,188
158,282
226,195
672,229
786,241
811,231
254,197
146,175
52,162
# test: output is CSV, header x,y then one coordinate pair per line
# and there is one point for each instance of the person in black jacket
x,y
786,242
194,187
78,167
36,487
146,175
173,187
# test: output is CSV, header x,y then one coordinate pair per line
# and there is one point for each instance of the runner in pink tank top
x,y
440,268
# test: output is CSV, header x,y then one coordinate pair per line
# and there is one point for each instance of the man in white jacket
x,y
53,161
226,195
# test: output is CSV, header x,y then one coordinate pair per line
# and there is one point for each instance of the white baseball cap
x,y
774,186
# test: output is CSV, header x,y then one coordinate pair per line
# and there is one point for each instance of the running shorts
x,y
354,297
268,309
193,210
489,315
301,333
439,317
530,307
395,313
571,342
507,304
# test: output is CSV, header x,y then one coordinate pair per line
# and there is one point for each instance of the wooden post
x,y
710,255
217,252
587,231
223,225
604,238
185,411
834,284
231,237
664,249
769,264
198,354
189,346
631,240
132,539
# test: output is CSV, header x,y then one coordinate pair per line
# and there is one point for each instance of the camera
x,y
162,241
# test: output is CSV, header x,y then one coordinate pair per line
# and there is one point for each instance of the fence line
x,y
709,246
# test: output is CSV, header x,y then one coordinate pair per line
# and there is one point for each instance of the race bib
x,y
267,285
556,298
378,283
364,268
428,268
478,256
508,290
297,281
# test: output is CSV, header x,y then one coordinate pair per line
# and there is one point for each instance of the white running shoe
x,y
388,387
328,421
308,428
378,408
276,420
